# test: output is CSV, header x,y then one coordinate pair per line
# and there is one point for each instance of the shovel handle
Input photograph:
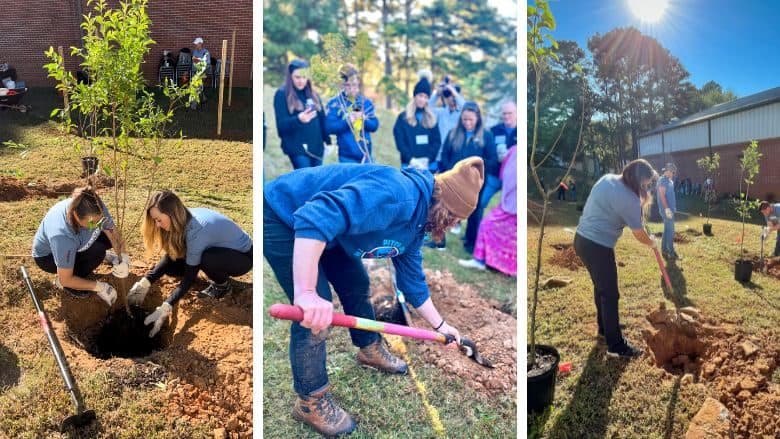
x,y
295,313
663,269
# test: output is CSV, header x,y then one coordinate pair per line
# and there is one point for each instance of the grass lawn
x,y
205,171
613,398
386,407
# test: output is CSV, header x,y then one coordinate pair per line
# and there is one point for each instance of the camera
x,y
358,107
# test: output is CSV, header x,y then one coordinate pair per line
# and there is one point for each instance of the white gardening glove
x,y
138,291
668,213
121,266
105,292
158,317
420,163
764,233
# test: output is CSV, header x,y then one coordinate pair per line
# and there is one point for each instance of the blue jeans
x,y
492,185
349,279
667,241
304,161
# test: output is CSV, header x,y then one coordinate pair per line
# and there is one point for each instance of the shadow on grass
x,y
679,293
587,415
669,424
9,369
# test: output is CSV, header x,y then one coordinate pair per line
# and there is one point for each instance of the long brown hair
x,y
457,135
439,217
85,202
291,97
172,242
632,176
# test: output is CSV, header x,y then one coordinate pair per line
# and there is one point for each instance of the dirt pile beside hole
x,y
740,372
477,318
566,257
772,265
12,189
679,238
677,340
712,420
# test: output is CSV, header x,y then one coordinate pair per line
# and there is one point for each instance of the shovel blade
x,y
470,349
77,421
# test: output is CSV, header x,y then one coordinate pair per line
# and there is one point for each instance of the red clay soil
x,y
480,319
205,373
680,238
737,369
566,257
12,189
772,266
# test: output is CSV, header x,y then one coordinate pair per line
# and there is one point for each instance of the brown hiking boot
x,y
320,412
378,357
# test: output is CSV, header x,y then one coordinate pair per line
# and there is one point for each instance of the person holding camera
x,y
300,117
415,131
351,118
448,115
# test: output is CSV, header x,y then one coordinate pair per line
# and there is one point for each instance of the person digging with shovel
x,y
771,213
193,240
616,201
318,225
72,241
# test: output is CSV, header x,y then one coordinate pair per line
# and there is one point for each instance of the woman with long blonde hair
x,y
616,201
416,132
72,241
318,223
191,240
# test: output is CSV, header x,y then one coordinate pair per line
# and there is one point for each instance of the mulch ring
x,y
203,368
738,370
12,189
565,257
480,319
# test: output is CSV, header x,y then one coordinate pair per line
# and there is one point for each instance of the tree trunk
x,y
407,43
388,60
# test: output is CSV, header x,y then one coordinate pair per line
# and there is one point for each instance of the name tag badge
x,y
421,139
500,140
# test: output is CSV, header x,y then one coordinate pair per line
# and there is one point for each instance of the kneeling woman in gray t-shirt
x,y
616,201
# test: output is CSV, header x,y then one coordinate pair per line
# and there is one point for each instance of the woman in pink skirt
x,y
496,244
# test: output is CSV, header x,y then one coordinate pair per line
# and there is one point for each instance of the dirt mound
x,y
566,257
739,371
772,265
205,371
680,238
12,189
493,331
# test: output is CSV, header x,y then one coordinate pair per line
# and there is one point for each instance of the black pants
x,y
472,227
218,263
601,265
86,261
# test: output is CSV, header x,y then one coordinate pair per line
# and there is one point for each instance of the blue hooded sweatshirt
x,y
335,123
371,211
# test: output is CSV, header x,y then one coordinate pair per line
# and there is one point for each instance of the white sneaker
x,y
471,263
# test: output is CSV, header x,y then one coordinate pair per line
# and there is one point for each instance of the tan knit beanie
x,y
460,186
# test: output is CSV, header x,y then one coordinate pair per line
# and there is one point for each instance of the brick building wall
x,y
767,183
34,25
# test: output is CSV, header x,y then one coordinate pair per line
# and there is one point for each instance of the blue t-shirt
x,y
56,237
774,217
671,198
610,207
207,229
371,211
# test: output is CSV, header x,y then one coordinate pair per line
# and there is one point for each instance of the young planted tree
x,y
749,167
709,164
126,124
541,51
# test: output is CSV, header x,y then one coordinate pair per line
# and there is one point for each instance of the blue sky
x,y
736,43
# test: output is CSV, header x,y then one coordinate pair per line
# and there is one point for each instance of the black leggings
x,y
86,261
218,263
600,262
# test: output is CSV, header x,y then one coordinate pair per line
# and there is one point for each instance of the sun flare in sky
x,y
649,11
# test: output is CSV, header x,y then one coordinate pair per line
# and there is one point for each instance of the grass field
x,y
205,171
386,407
606,398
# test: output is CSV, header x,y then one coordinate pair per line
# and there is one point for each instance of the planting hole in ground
x,y
677,339
387,310
12,189
679,238
566,257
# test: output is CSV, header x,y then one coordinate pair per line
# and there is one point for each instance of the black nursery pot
x,y
743,270
89,165
707,229
541,388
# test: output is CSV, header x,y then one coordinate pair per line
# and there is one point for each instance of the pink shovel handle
x,y
663,269
295,313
